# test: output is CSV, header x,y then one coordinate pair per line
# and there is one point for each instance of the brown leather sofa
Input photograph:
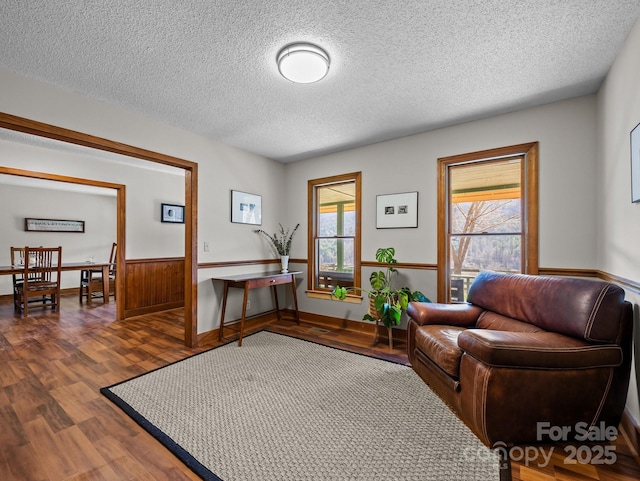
x,y
527,356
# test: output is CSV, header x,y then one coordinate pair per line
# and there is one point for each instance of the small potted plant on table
x,y
281,243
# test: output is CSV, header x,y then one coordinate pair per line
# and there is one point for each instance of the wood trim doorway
x,y
21,124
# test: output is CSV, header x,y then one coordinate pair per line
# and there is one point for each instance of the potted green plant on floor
x,y
281,243
386,303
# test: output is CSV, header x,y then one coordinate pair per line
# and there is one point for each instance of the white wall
x,y
98,212
618,218
231,241
566,133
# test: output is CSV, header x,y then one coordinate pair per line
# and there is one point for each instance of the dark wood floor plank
x,y
55,416
51,455
22,463
12,432
74,399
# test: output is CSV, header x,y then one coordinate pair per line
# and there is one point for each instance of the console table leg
x,y
224,307
295,298
244,312
275,296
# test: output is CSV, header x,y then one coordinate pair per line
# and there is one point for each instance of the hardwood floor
x,y
55,425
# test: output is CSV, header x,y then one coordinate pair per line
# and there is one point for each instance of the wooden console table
x,y
253,281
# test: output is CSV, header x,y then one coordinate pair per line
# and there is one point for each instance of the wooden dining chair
x,y
91,280
40,279
17,260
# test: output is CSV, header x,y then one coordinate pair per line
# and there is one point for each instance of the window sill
x,y
327,295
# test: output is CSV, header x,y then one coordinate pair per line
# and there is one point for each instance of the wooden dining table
x,y
72,266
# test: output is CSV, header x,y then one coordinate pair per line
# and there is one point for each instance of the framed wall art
x,y
395,211
172,213
53,225
635,164
246,208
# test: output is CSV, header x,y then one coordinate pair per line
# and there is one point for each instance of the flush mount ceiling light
x,y
303,63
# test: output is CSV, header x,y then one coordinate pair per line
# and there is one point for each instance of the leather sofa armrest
x,y
537,350
463,315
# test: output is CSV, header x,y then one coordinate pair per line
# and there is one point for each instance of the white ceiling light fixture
x,y
303,63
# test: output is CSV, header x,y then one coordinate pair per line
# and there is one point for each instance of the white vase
x,y
284,261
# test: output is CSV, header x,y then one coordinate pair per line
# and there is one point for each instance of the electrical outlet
x,y
248,304
206,246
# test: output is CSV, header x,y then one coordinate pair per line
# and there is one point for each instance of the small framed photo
x,y
395,211
635,164
172,213
246,208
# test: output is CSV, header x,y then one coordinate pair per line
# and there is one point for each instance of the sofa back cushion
x,y
497,322
582,308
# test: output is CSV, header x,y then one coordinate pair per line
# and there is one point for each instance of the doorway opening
x,y
120,191
20,124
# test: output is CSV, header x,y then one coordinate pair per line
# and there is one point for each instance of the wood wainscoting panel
x,y
153,285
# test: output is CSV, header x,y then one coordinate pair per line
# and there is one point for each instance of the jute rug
x,y
280,408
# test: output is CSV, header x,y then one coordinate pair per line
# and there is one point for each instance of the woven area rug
x,y
280,408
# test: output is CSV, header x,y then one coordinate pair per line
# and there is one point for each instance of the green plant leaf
x,y
378,280
418,296
339,293
403,300
391,315
395,314
384,255
379,303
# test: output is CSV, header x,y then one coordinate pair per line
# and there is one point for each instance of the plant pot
x,y
372,308
376,314
284,263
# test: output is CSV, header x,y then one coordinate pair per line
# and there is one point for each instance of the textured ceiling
x,y
397,67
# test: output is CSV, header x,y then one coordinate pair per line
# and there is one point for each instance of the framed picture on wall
x,y
635,164
53,225
172,213
395,211
246,208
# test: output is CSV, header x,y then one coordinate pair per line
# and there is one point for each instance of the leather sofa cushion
x,y
498,322
582,308
440,344
540,350
463,314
